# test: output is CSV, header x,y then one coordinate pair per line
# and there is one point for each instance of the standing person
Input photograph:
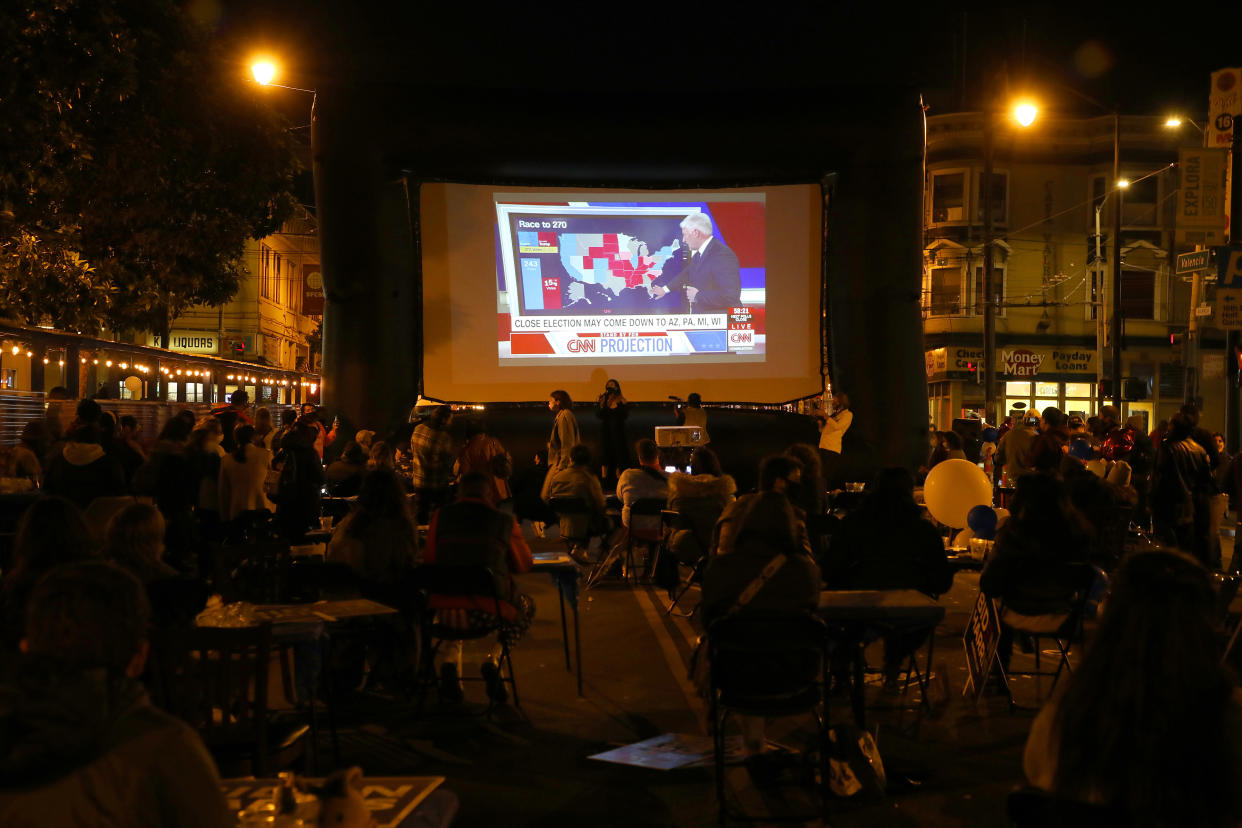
x,y
484,454
243,471
204,454
264,431
431,461
831,438
301,482
564,434
612,409
1013,449
231,415
1155,659
1181,510
711,282
323,436
1052,443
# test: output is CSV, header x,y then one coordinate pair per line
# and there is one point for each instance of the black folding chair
x,y
1061,622
772,665
460,581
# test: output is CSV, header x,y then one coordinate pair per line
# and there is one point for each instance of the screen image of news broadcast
x,y
631,281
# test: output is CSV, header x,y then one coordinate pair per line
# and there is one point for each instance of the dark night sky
x,y
1127,56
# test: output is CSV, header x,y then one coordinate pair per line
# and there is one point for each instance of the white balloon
x,y
953,488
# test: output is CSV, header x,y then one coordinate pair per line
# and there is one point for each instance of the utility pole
x,y
989,299
1231,337
1116,321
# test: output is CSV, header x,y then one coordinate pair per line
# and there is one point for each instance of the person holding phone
x,y
325,437
612,411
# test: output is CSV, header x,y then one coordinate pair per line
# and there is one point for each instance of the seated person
x,y
753,532
578,481
1030,565
648,481
377,539
83,744
343,477
135,542
472,532
698,498
887,544
52,532
1149,694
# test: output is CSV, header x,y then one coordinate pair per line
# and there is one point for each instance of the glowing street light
x,y
264,71
1025,113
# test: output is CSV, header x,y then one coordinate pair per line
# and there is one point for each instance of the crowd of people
x,y
125,533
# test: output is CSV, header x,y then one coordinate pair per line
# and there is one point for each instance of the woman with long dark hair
x,y
378,538
612,409
243,471
564,434
1149,722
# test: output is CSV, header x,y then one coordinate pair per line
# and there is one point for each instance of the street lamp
x,y
1024,112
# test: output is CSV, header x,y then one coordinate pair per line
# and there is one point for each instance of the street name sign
x,y
1195,260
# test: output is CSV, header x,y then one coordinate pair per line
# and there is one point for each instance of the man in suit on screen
x,y
710,282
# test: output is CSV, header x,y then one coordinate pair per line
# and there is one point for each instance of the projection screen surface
x,y
530,289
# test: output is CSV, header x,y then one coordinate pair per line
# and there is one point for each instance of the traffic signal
x,y
1177,342
973,368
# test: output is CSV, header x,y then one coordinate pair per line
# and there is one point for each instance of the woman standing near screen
x,y
830,438
564,431
612,411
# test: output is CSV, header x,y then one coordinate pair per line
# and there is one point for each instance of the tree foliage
x,y
134,164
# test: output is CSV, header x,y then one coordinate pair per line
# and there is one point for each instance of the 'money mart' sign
x,y
1015,362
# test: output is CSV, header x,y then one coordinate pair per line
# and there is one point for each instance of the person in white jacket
x,y
830,438
242,475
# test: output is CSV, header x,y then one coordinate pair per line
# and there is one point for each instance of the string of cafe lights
x,y
170,373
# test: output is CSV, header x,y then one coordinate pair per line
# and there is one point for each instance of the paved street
x,y
951,767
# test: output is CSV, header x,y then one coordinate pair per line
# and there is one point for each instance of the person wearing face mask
x,y
612,410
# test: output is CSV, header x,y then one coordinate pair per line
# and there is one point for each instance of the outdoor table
x,y
392,800
565,573
855,609
300,627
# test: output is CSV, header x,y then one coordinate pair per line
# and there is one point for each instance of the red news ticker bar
x,y
532,344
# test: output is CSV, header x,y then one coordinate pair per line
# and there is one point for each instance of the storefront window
x,y
1047,389
1018,389
1079,389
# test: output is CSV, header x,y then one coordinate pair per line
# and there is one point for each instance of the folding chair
x,y
216,680
447,581
697,518
645,528
768,664
1062,622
